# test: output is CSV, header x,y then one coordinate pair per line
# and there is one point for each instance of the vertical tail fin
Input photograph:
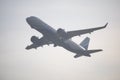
x,y
85,43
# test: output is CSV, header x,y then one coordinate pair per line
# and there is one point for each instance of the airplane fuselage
x,y
51,34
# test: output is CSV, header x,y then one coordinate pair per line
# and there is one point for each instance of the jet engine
x,y
34,39
62,33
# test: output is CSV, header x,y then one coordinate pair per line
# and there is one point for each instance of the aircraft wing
x,y
41,42
84,31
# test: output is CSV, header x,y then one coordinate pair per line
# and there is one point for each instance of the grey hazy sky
x,y
51,63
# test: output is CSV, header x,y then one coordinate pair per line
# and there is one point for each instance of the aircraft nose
x,y
31,18
27,19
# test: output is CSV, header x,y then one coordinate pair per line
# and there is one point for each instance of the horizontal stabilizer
x,y
87,53
93,51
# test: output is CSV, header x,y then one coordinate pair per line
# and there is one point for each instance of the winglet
x,y
105,24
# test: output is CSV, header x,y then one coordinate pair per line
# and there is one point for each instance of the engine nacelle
x,y
60,30
34,39
62,33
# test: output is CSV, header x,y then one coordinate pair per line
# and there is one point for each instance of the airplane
x,y
60,37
